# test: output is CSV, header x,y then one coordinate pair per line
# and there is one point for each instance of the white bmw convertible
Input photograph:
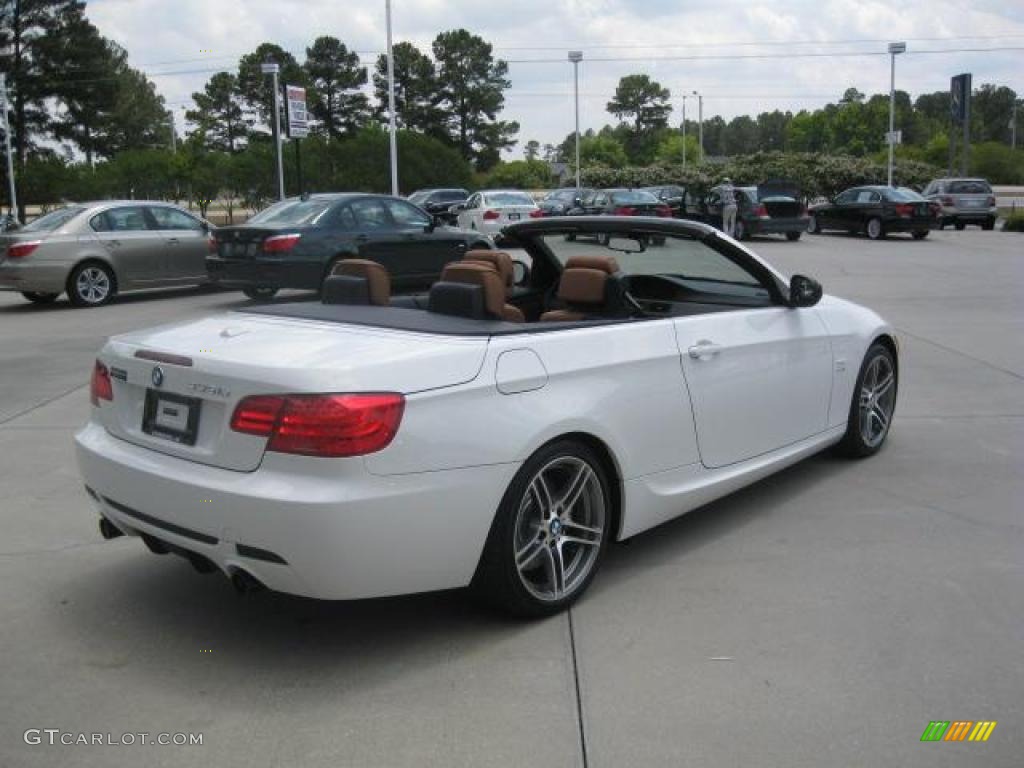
x,y
500,431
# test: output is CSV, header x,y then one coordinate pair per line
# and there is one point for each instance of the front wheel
x,y
90,285
260,292
921,234
792,236
959,226
550,532
39,297
874,228
873,404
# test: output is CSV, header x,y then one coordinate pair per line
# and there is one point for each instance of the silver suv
x,y
963,202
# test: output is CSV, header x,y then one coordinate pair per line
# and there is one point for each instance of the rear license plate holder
x,y
513,217
171,417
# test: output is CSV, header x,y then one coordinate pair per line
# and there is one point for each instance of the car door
x,y
838,215
467,218
135,246
597,205
759,373
713,209
421,248
187,242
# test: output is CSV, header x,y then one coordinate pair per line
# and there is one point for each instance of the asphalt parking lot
x,y
819,618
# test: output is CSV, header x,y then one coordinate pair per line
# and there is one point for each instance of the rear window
x,y
292,212
563,194
969,187
508,198
906,195
450,195
53,220
635,196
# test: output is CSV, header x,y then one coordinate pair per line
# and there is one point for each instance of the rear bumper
x,y
969,214
27,275
914,224
780,226
243,274
319,528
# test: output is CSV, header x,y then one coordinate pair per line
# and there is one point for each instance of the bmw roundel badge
x,y
158,376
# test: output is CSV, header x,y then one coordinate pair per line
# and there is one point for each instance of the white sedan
x,y
493,433
491,210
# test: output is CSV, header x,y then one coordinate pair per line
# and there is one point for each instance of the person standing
x,y
728,195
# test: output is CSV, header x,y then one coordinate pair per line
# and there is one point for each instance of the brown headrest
x,y
375,274
606,264
582,285
500,260
484,275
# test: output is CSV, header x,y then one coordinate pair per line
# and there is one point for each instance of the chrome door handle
x,y
704,350
172,241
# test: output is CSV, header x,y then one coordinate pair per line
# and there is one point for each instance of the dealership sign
x,y
298,118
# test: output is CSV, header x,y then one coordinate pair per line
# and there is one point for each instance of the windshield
x,y
634,196
292,212
53,220
905,195
970,187
508,198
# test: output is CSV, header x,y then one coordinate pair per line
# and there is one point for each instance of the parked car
x,y
385,449
622,202
297,242
93,251
963,201
438,202
490,210
683,202
772,208
564,202
875,211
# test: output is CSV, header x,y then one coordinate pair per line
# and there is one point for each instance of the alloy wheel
x,y
93,285
559,528
877,400
875,228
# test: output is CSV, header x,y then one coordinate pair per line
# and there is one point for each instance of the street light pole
x,y
684,134
894,48
274,69
7,140
392,128
174,138
576,57
700,127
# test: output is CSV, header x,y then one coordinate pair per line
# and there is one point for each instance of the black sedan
x,y
771,208
295,243
684,203
875,211
438,202
564,202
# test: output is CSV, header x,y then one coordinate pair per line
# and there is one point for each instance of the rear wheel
x,y
91,285
959,226
550,532
921,234
792,236
260,292
875,229
873,404
989,224
38,297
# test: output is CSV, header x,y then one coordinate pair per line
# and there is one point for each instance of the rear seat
x,y
590,286
357,281
472,289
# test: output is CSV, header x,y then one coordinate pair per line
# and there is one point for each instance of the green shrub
x,y
1014,222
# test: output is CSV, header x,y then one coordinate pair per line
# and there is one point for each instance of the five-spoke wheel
x,y
874,402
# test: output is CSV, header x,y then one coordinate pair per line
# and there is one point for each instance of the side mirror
x,y
457,207
520,272
804,291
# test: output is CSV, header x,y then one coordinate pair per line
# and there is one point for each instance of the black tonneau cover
x,y
417,320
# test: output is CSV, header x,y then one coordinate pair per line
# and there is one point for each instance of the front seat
x,y
500,260
472,289
589,286
357,281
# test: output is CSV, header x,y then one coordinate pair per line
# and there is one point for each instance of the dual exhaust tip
x,y
243,581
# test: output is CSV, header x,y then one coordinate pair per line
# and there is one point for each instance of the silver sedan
x,y
92,251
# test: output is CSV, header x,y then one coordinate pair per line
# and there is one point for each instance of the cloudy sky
x,y
744,56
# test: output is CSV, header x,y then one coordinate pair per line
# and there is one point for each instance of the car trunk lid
x,y
780,198
243,243
165,378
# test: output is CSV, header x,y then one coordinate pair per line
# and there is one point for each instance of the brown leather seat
x,y
583,287
500,260
490,280
363,282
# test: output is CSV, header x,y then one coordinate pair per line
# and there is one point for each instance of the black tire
x,y
921,234
498,579
854,444
874,228
260,292
570,237
793,236
812,225
38,297
960,226
91,284
989,224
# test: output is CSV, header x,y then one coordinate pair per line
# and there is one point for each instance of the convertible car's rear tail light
x,y
904,209
322,425
491,215
100,387
624,210
280,243
21,250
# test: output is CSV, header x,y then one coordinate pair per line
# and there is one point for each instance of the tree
x,y
471,85
532,150
601,150
642,100
771,129
255,87
741,136
334,71
991,109
521,174
673,148
218,115
416,90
